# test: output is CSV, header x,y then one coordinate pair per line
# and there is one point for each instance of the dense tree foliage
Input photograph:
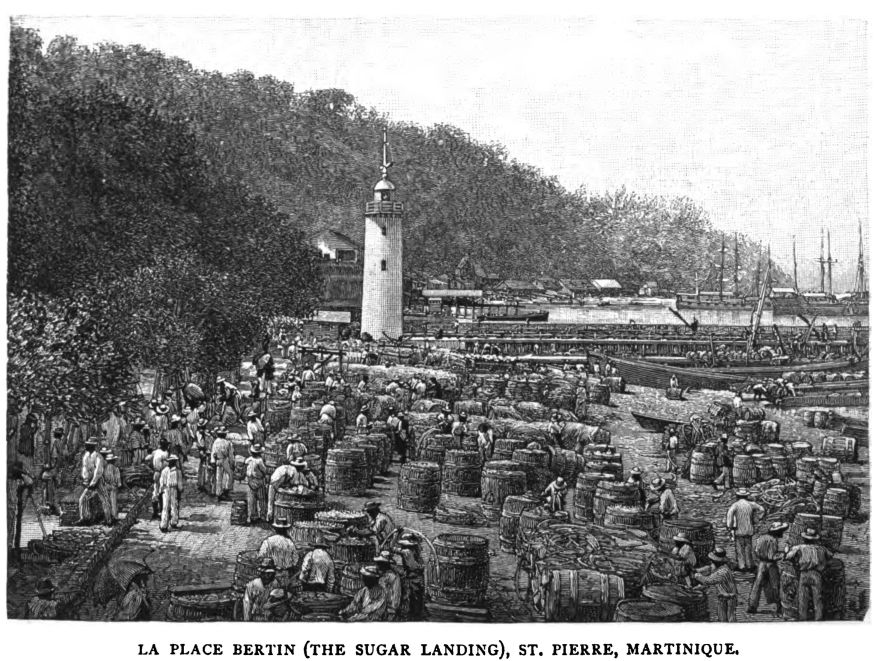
x,y
315,156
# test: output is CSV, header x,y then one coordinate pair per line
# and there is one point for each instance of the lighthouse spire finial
x,y
386,163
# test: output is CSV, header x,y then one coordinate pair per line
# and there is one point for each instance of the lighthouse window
x,y
384,232
382,265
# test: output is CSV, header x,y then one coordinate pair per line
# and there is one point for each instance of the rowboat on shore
x,y
642,373
653,423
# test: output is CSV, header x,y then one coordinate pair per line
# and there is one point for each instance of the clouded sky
x,y
763,123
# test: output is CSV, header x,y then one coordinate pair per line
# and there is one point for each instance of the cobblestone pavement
x,y
204,549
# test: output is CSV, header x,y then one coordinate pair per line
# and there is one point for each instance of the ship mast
x,y
822,265
721,267
860,284
829,260
760,306
736,265
794,265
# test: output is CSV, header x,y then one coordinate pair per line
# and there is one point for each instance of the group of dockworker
x,y
761,556
393,585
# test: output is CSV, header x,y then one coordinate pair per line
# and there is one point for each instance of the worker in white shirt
x,y
171,482
158,460
254,428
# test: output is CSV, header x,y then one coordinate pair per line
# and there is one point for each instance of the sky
x,y
763,123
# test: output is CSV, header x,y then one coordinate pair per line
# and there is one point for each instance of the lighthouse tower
x,y
382,297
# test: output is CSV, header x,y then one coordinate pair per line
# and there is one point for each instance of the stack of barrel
x,y
609,494
585,488
346,472
843,448
535,465
349,553
599,393
509,522
566,464
703,464
819,418
434,447
503,448
603,459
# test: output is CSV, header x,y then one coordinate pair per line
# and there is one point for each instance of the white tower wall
x,y
382,298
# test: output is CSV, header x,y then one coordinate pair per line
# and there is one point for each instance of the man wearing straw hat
x,y
370,603
281,548
223,456
256,474
278,607
810,559
740,521
381,524
258,590
684,553
92,473
667,506
408,549
361,422
768,552
138,442
285,476
158,460
722,577
389,581
636,479
172,484
296,449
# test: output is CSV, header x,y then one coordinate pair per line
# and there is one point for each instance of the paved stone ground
x,y
204,549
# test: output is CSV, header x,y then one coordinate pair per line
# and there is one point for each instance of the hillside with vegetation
x,y
167,210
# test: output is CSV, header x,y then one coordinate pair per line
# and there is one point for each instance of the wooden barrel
x,y
608,468
764,467
843,448
345,472
461,473
278,416
833,591
419,486
247,564
784,467
608,457
353,550
590,448
580,595
585,488
566,464
372,458
238,513
830,529
805,467
836,502
703,468
499,480
435,447
748,430
698,532
775,450
536,465
828,465
623,516
615,383
461,575
530,519
822,419
301,420
743,473
693,602
613,493
801,449
383,441
509,522
807,417
503,448
339,520
350,579
645,610
297,511
306,533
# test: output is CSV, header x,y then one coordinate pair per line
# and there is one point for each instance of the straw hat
x,y
172,458
162,409
680,537
278,597
281,522
370,571
742,493
92,440
372,505
658,483
266,565
384,557
718,555
778,526
256,449
810,535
